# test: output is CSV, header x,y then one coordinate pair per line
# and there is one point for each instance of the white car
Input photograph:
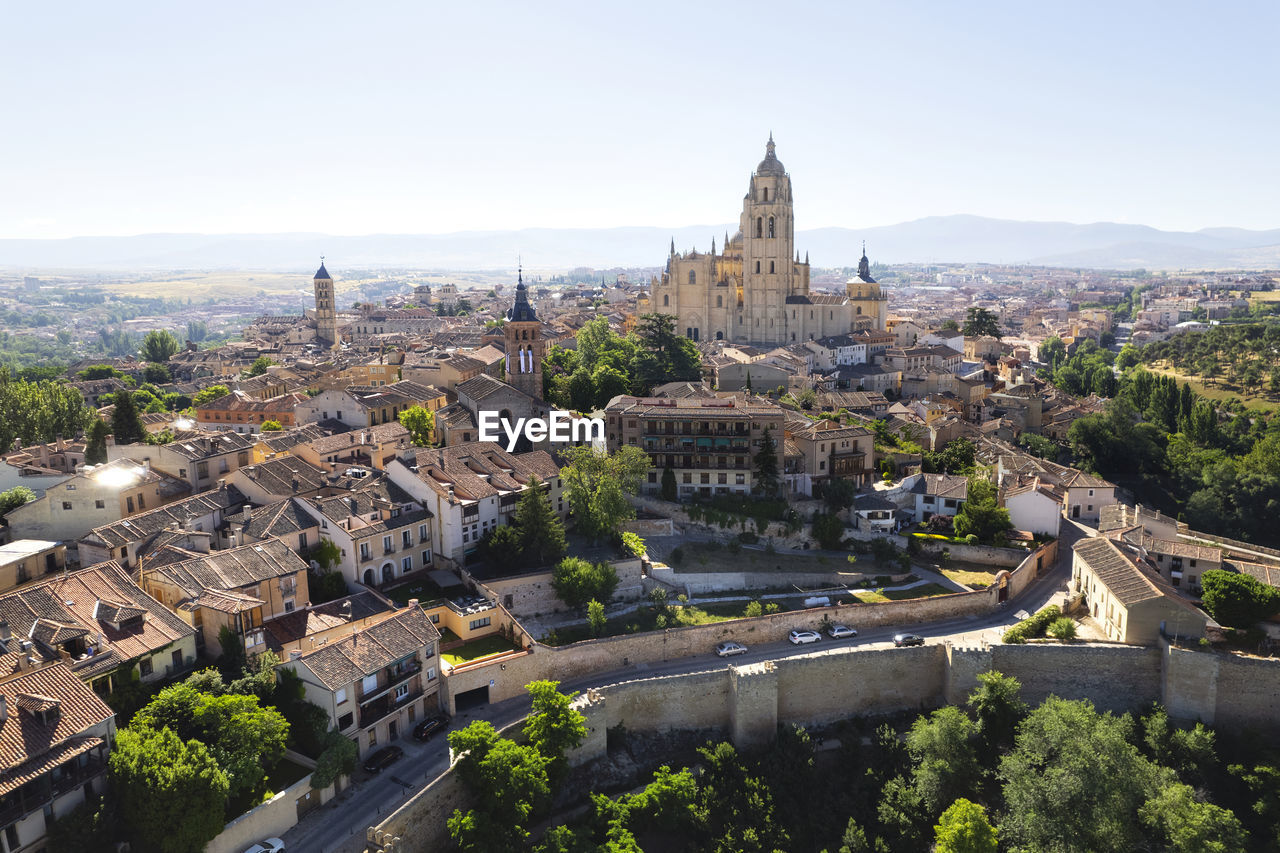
x,y
840,632
800,637
267,845
729,649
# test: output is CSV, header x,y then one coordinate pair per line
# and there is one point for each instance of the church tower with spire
x,y
525,344
870,305
326,311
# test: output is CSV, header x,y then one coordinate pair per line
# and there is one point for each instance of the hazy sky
x,y
355,118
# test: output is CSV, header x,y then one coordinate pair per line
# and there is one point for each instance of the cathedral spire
x,y
673,245
713,245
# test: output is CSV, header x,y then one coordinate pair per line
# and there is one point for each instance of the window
x,y
771,267
406,565
401,692
719,301
741,479
142,501
67,504
406,538
202,470
706,479
288,605
480,623
386,544
369,684
771,230
426,559
687,477
364,551
666,300
99,504
766,194
144,667
431,673
1091,493
722,479
757,270
340,696
11,836
423,536
653,477
373,738
759,228
128,503
693,277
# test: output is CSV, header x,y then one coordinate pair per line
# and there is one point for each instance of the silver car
x,y
840,632
730,649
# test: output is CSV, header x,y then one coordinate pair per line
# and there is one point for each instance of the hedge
x,y
1033,626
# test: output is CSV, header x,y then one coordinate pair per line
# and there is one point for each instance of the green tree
x,y
766,463
597,485
554,726
338,758
159,345
271,426
501,546
1052,351
11,499
946,762
259,366
157,374
735,807
950,325
197,331
980,515
421,424
39,411
1128,357
595,618
662,355
508,780
980,321
669,491
1071,761
964,828
172,793
206,395
97,371
828,530
998,706
838,494
1063,628
126,423
578,582
1189,825
1238,600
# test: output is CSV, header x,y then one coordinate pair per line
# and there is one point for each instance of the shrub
x,y
753,608
1033,626
1063,628
676,557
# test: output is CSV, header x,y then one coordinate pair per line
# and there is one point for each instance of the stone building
x,y
757,289
525,344
326,310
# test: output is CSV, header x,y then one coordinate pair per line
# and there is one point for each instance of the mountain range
x,y
934,239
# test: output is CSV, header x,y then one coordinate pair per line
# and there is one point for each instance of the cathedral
x,y
757,289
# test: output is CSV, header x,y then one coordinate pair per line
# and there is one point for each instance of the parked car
x,y
425,729
730,649
267,845
383,758
798,638
840,632
908,640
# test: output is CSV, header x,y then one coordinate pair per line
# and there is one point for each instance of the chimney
x,y
4,707
6,633
295,654
413,602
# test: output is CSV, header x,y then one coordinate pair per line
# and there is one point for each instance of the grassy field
x,y
201,286
704,557
649,619
971,579
923,591
1219,391
476,649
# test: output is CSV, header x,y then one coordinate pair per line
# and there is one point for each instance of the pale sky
x,y
428,117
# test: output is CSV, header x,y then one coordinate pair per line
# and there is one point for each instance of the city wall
x,y
703,583
748,702
532,594
271,819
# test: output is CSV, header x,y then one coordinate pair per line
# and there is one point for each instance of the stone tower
x,y
326,311
871,306
768,231
525,345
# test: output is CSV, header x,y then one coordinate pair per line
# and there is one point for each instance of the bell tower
x,y
768,245
326,311
525,344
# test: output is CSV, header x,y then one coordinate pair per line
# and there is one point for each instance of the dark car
x,y
908,640
425,729
383,758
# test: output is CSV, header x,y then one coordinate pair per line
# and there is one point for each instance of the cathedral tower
x,y
525,345
871,306
326,311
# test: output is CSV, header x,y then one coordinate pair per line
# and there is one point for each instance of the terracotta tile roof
x,y
71,605
138,528
232,569
481,469
31,744
295,626
364,652
1117,571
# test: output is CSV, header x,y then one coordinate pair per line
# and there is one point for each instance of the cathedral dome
x,y
770,165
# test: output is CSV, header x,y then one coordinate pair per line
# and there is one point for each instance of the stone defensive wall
x,y
594,657
747,703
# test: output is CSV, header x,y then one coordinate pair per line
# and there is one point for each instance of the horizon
x,y
407,120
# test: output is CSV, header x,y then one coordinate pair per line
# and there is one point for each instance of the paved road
x,y
339,826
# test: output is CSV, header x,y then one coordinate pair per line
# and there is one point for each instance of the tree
x,y
1238,600
11,499
338,758
766,462
126,423
595,618
669,491
501,546
1070,761
578,582
998,707
1052,351
157,374
1128,357
964,828
838,494
39,411
542,539
259,366
554,726
598,484
509,782
97,371
946,763
828,530
95,447
662,355
980,515
979,322
271,426
950,325
421,424
197,331
205,395
159,345
172,793
1189,825
735,807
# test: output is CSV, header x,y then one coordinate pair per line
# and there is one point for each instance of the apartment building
x,y
378,680
832,450
27,559
199,458
125,540
383,533
238,412
1127,598
709,442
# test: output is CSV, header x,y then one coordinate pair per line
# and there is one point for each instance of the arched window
x,y
693,277
688,331
719,336
770,226
666,300
766,193
759,226
770,266
719,301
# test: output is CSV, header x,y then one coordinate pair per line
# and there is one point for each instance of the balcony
x,y
39,792
392,678
386,705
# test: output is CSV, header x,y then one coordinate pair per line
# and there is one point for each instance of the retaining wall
x,y
532,594
271,819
